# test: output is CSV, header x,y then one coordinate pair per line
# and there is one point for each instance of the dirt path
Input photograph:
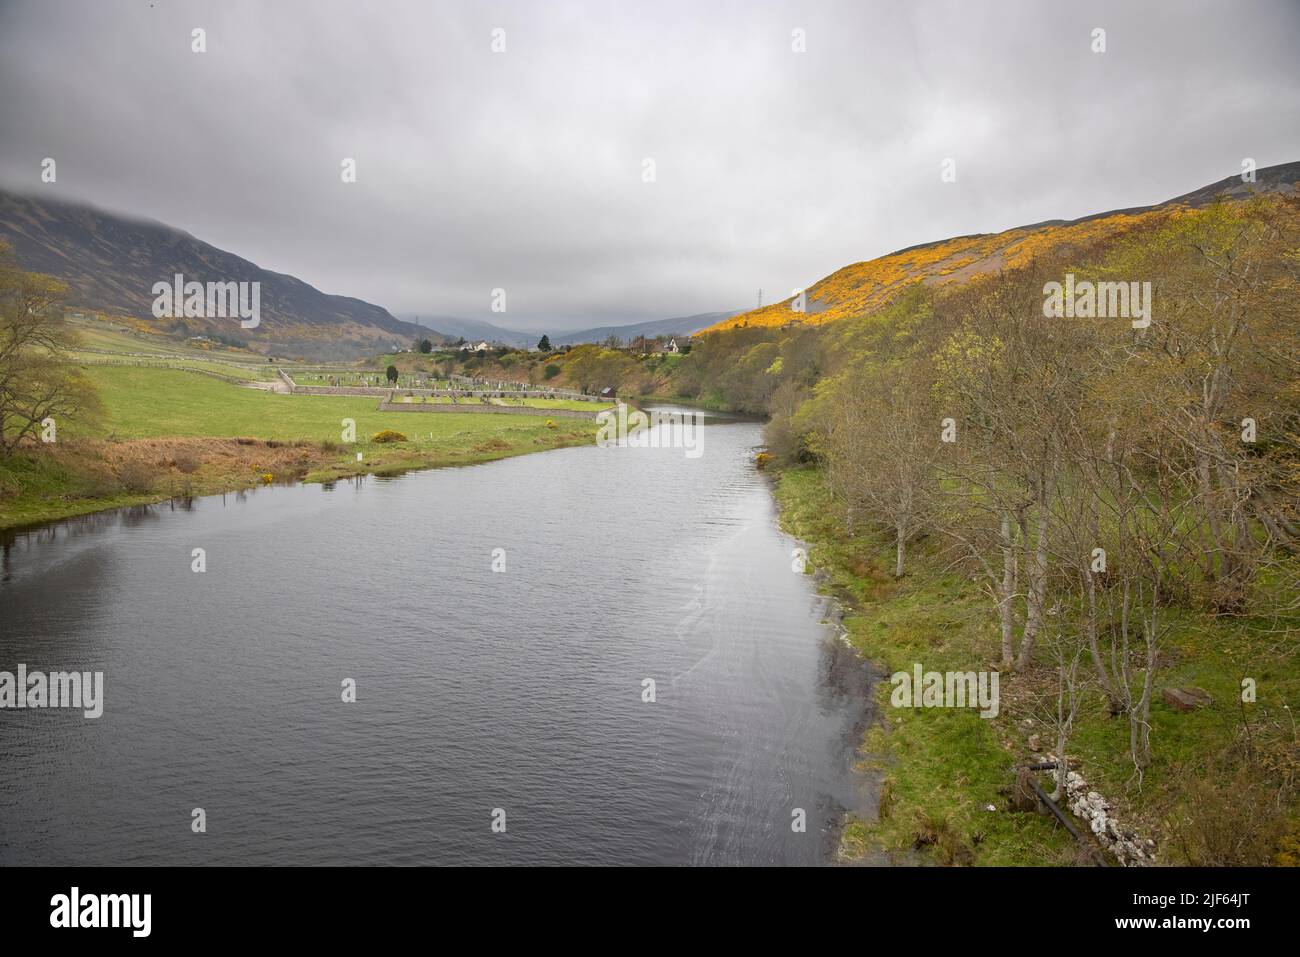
x,y
274,385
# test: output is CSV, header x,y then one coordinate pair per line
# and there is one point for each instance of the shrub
x,y
98,483
136,477
329,445
937,831
185,462
551,371
388,435
1234,815
1288,854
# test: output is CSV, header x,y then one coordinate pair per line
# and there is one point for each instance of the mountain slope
x,y
477,329
453,327
110,264
866,286
679,326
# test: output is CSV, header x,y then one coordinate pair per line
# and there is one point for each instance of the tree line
x,y
1097,474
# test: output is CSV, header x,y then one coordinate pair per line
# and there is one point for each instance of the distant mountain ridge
x,y
453,327
678,326
866,286
478,330
110,264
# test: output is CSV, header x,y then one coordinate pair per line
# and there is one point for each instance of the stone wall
x,y
503,394
339,390
389,391
1095,811
478,407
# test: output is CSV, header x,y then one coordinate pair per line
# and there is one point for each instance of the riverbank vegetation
x,y
1104,510
80,433
588,367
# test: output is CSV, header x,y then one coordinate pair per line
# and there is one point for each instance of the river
x,y
478,691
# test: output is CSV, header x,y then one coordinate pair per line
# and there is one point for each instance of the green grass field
x,y
241,372
97,343
96,336
167,431
157,403
576,405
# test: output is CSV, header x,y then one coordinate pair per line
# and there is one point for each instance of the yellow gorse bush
x,y
864,287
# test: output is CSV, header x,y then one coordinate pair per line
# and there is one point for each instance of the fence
x,y
489,409
465,393
239,380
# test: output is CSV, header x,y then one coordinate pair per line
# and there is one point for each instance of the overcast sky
x,y
524,169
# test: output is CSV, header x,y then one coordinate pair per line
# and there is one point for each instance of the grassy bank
x,y
709,403
169,432
943,768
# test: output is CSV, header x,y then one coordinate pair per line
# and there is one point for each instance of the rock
x,y
1186,699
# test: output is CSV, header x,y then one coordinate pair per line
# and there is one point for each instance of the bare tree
x,y
880,448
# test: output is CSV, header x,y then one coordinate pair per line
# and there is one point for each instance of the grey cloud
x,y
523,170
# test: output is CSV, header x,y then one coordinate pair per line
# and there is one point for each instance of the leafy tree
x,y
593,367
37,381
391,372
426,346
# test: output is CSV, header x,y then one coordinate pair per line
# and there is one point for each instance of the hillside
x,y
982,487
450,328
678,326
866,286
476,329
110,264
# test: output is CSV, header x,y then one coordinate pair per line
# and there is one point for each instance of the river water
x,y
478,691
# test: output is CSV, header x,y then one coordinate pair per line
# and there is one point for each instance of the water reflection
x,y
520,688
